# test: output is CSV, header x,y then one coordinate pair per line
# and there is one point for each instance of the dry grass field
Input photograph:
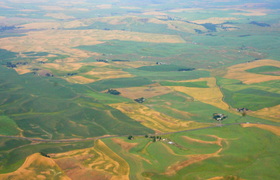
x,y
273,129
271,113
99,162
63,41
238,72
211,95
146,92
152,119
215,20
37,167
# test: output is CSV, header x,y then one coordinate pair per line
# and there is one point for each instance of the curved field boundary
x,y
112,136
239,72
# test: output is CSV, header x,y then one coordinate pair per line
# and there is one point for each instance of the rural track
x,y
111,136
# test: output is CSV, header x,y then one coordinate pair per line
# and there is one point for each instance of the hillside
x,y
139,89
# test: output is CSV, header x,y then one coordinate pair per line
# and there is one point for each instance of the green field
x,y
253,97
8,126
199,112
40,113
20,149
169,75
267,70
236,158
199,84
59,110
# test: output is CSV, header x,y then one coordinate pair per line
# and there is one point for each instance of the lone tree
x,y
130,137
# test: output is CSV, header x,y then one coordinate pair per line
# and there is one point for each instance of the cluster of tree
x,y
14,65
242,109
154,138
186,69
11,65
5,28
120,60
49,75
102,60
260,24
71,74
113,91
44,154
140,100
35,69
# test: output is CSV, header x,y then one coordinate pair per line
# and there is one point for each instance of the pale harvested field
x,y
65,66
155,13
107,73
146,92
273,129
98,72
271,113
211,95
79,79
50,8
251,12
186,9
72,66
223,178
133,64
63,41
23,69
37,167
129,7
59,16
238,72
99,161
215,20
104,6
53,25
152,119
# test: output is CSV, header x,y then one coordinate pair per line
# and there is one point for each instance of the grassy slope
x,y
58,109
200,84
237,158
253,97
198,111
264,70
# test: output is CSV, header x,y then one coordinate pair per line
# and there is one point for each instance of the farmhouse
x,y
219,117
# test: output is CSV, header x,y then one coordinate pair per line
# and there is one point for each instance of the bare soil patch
x,y
125,145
